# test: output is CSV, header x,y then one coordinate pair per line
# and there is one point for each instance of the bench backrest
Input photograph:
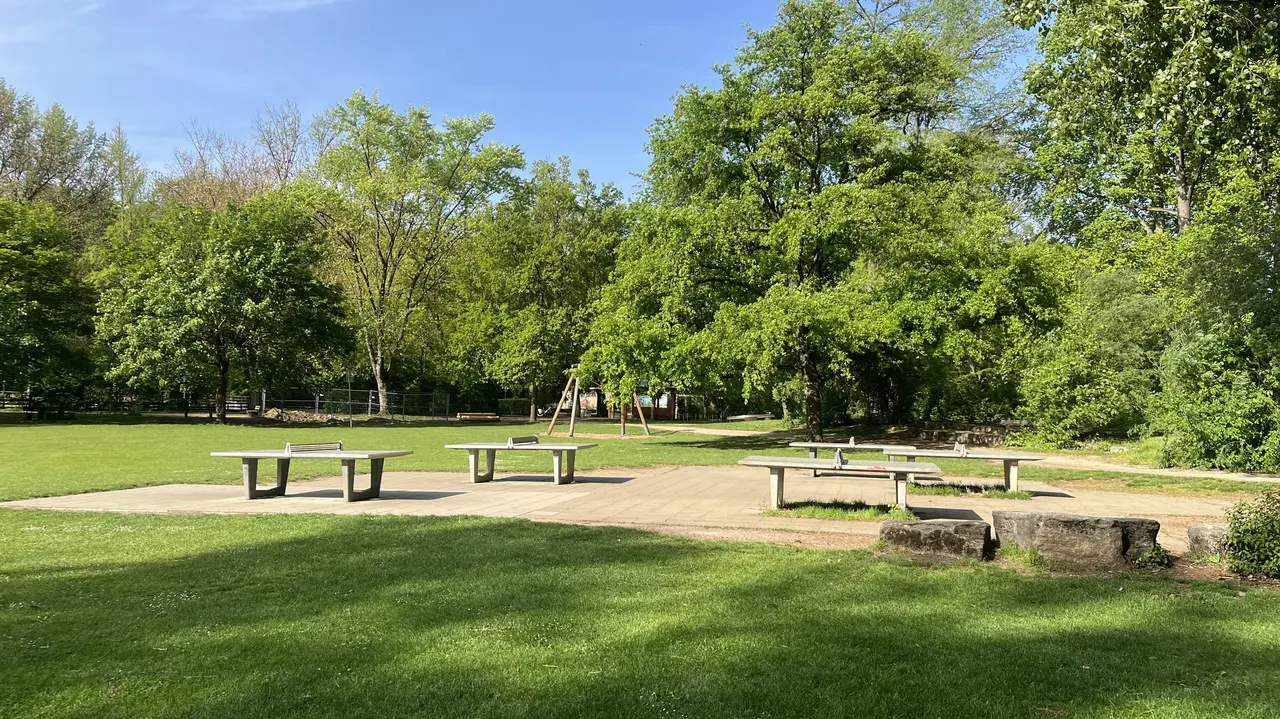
x,y
516,441
291,448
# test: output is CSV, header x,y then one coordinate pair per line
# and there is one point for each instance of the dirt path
x,y
1060,461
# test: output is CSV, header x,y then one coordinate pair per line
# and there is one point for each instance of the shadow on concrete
x,y
945,513
578,479
414,494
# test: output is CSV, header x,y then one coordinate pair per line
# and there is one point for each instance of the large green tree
x,y
1145,99
396,194
779,202
45,308
219,299
537,266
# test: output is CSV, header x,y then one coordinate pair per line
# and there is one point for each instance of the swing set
x,y
575,385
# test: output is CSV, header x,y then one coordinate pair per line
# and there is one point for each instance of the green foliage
x,y
1098,371
813,221
45,307
1143,98
396,195
844,511
537,266
209,299
1158,558
1253,536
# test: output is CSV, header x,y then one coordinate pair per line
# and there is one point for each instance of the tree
x,y
1144,99
45,308
215,298
777,200
128,174
45,156
396,195
540,261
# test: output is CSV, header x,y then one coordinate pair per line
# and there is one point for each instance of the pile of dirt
x,y
299,417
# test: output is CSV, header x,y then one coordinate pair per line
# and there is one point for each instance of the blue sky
x,y
562,77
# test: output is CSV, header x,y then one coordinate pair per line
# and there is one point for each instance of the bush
x,y
1253,536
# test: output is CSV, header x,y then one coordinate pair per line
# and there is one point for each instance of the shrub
x,y
1158,558
1253,536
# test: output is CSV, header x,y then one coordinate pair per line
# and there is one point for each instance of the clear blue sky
x,y
576,77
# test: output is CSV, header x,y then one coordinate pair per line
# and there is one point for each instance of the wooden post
x,y
556,415
640,409
573,418
622,406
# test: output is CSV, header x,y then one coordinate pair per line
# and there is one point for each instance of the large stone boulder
x,y
1207,539
956,539
1075,543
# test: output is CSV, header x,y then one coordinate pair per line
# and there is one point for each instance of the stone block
x,y
1207,539
1076,543
957,539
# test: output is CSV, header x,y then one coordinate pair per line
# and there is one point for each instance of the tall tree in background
x,y
395,195
46,156
775,197
216,299
536,267
1145,99
45,308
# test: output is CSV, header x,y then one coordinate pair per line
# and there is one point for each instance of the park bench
x,y
853,444
562,456
478,417
896,471
329,450
960,451
748,417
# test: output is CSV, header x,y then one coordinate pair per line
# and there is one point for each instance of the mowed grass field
x,y
327,616
45,459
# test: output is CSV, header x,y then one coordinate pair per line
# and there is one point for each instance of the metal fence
x,y
360,402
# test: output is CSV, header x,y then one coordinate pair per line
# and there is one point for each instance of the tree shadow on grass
x,y
388,617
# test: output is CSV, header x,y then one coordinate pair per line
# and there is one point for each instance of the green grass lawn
x,y
59,458
269,616
847,511
966,490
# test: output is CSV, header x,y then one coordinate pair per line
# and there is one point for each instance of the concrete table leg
x,y
491,463
569,458
557,467
1011,475
349,491
813,454
776,475
900,489
473,466
282,475
249,469
375,476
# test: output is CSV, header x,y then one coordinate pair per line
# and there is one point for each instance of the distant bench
x,y
562,456
748,417
478,417
896,471
330,450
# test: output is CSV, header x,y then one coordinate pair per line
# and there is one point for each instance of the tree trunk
x,y
533,406
380,381
1184,190
811,385
220,398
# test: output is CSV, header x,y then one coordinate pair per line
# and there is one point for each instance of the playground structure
x,y
575,385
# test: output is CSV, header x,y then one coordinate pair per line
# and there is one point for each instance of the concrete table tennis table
x,y
348,458
562,456
1009,459
853,444
898,472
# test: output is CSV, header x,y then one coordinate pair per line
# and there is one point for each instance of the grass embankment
x,y
59,458
131,616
